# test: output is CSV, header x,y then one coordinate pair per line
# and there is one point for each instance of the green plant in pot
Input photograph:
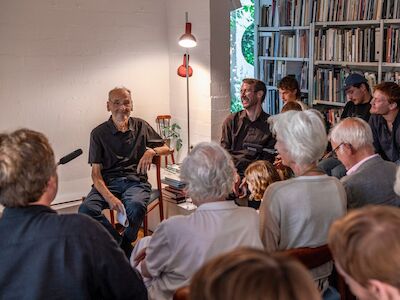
x,y
171,133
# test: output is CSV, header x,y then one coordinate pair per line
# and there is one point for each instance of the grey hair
x,y
118,88
208,172
303,134
353,131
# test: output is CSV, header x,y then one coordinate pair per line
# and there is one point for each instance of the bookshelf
x,y
338,37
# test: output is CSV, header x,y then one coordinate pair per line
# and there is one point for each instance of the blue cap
x,y
354,79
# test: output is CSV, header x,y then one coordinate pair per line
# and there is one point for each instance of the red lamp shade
x,y
187,40
182,68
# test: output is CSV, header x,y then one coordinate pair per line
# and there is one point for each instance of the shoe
x,y
126,246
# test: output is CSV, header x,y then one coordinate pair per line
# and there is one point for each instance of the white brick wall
x,y
58,59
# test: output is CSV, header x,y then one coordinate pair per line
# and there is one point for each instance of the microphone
x,y
259,149
67,158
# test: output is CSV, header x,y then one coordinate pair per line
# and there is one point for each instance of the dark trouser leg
x,y
135,199
93,206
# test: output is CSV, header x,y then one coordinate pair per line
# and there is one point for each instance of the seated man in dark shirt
x,y
385,120
121,151
248,127
358,96
358,105
44,255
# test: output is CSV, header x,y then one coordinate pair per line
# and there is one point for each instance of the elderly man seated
x,y
180,245
369,178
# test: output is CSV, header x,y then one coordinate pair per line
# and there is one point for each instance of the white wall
x,y
58,60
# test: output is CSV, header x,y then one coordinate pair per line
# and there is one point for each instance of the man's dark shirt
x,y
386,143
44,255
120,152
359,111
238,130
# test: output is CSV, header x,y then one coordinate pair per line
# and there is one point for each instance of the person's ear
x,y
108,106
380,290
260,94
393,105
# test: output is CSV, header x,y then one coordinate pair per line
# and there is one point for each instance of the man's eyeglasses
x,y
121,102
332,153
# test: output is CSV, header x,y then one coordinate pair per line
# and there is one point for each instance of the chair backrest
x,y
163,121
182,293
310,257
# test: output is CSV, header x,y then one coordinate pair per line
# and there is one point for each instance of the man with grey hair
x,y
180,245
121,151
369,178
44,255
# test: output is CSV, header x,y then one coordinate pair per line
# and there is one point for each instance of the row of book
x,y
392,76
271,72
391,9
349,10
285,13
391,48
352,45
284,44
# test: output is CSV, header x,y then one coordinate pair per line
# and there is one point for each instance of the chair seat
x,y
154,195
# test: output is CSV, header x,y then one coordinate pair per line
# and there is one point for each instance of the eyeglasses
x,y
121,102
332,153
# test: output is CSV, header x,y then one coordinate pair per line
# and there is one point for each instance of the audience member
x,y
250,274
358,97
366,245
358,105
180,245
298,212
289,91
44,255
385,120
369,178
259,175
291,105
249,126
121,151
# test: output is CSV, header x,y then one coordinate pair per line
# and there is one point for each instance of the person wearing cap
x,y
358,105
359,97
385,120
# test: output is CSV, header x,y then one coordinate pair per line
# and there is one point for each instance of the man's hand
x,y
239,186
116,204
140,256
145,162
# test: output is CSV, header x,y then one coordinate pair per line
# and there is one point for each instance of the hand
x,y
116,204
240,186
140,256
145,162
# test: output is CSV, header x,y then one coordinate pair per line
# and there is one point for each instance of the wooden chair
x,y
163,121
156,194
314,257
182,293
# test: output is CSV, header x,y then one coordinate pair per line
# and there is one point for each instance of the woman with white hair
x,y
298,212
182,244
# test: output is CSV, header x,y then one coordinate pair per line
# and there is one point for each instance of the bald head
x,y
353,131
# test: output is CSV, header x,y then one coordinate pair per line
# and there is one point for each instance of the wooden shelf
x,y
299,59
346,63
349,24
282,28
328,103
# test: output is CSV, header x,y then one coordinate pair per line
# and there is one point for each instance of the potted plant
x,y
171,133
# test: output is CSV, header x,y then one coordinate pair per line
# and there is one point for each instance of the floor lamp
x,y
187,40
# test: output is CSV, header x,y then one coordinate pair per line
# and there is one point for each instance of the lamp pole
x,y
187,94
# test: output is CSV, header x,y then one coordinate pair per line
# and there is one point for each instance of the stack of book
x,y
174,188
